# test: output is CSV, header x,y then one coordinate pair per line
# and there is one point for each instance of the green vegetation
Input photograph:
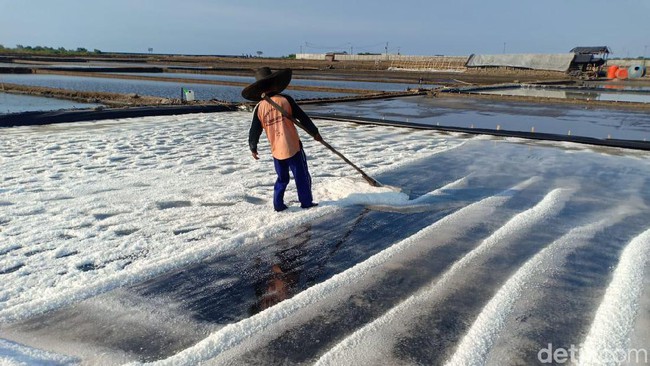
x,y
44,50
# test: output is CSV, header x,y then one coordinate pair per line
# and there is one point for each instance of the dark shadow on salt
x,y
173,204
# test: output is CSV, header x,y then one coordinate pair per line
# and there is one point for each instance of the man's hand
x,y
255,156
318,138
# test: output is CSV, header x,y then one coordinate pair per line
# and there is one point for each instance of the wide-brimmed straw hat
x,y
267,81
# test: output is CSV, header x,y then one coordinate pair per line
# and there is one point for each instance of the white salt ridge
x,y
608,339
14,354
233,335
475,346
371,345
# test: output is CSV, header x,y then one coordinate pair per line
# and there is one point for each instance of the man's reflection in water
x,y
284,276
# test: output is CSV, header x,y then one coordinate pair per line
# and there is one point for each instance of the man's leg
x,y
282,169
300,170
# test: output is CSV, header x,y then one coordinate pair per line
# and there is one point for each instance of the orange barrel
x,y
611,72
621,73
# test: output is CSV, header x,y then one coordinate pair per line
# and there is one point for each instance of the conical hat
x,y
267,81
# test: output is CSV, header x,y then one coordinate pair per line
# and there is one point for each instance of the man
x,y
286,147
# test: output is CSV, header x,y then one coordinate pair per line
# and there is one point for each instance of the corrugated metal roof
x,y
582,58
591,50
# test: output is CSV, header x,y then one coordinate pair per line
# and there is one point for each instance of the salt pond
x,y
13,103
492,114
143,87
601,94
343,84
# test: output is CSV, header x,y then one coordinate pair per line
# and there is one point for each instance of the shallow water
x,y
599,94
619,85
490,114
12,103
145,87
296,81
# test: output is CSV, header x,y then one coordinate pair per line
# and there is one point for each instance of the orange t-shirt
x,y
280,131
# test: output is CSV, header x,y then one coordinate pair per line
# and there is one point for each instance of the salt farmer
x,y
286,147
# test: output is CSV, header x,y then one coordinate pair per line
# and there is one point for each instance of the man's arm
x,y
254,134
304,119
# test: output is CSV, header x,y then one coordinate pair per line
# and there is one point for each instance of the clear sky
x,y
453,27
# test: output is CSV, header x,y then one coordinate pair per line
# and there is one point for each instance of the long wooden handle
x,y
373,182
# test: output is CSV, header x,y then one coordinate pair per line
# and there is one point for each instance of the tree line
x,y
47,50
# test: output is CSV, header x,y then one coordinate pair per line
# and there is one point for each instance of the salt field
x,y
474,189
154,240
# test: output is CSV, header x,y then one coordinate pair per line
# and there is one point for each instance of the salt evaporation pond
x,y
13,103
144,87
154,239
492,114
364,85
619,85
11,64
594,94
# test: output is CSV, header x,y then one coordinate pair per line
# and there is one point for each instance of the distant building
x,y
331,56
579,61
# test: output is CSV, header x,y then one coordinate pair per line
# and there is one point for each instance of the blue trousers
x,y
298,166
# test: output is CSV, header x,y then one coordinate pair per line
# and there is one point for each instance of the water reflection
x,y
284,273
587,94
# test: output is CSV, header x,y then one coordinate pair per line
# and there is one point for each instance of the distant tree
x,y
291,56
259,53
48,50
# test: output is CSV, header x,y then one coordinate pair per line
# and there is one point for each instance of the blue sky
x,y
457,27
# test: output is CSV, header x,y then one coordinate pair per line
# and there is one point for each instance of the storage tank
x,y
611,72
621,73
636,71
